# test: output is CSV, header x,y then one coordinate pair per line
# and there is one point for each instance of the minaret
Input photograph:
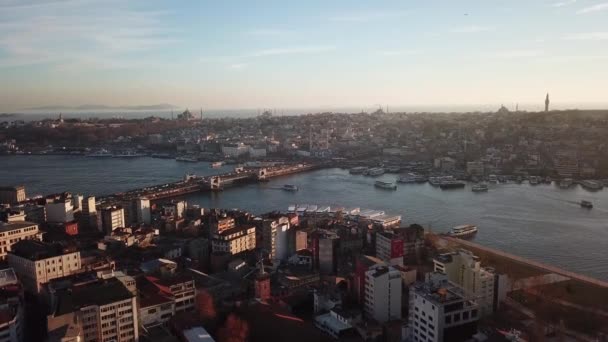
x,y
262,284
547,103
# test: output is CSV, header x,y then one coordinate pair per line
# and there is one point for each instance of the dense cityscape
x,y
146,265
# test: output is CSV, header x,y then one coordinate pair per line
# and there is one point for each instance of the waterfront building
x,y
439,309
143,211
383,293
12,307
37,263
111,218
103,310
235,150
11,233
234,240
12,194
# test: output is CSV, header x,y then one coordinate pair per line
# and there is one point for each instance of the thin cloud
x,y
268,32
587,36
471,29
595,8
563,3
292,50
238,66
368,16
399,52
513,54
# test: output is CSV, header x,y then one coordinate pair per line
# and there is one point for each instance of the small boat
x,y
357,170
463,231
291,208
480,188
493,179
592,185
519,180
216,165
186,159
565,183
128,154
385,185
374,172
393,169
586,204
290,187
534,180
103,153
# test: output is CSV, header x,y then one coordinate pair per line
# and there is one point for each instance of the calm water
x,y
541,222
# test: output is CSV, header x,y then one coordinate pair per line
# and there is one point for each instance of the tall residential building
x,y
11,233
104,310
12,307
111,218
60,210
439,309
12,194
479,283
274,233
383,293
234,240
389,247
37,263
328,253
88,213
143,211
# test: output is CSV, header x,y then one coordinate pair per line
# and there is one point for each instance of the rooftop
x,y
37,250
5,227
100,293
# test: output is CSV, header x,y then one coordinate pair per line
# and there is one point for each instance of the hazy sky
x,y
250,54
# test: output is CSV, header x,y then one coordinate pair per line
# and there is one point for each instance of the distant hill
x,y
95,107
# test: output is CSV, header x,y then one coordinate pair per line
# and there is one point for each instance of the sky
x,y
303,54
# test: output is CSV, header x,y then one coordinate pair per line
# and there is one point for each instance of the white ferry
x,y
385,185
103,153
129,154
463,231
290,187
480,188
216,165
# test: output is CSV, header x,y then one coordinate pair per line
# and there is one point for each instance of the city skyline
x,y
305,55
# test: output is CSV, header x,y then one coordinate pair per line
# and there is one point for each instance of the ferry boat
x,y
216,165
103,153
565,183
290,187
592,185
374,172
411,178
586,204
128,154
385,185
451,184
480,188
534,180
187,159
357,170
462,231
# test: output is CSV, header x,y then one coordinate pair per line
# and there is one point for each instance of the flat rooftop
x,y
103,292
5,227
37,250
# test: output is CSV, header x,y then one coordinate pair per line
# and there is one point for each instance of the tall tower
x,y
547,103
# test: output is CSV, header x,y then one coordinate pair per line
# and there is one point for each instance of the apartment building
x,y
13,232
383,293
234,240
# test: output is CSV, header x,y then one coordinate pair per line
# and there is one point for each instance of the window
x,y
448,319
474,313
457,317
465,315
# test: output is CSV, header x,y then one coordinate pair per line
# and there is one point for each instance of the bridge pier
x,y
216,183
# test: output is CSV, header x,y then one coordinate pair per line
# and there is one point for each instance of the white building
x,y
111,218
143,211
60,211
11,233
274,233
336,322
36,263
383,293
234,240
439,308
257,152
464,269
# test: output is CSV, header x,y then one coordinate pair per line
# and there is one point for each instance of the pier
x,y
192,183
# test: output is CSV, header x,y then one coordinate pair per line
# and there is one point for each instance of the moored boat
x,y
480,188
290,187
357,170
385,185
586,204
188,159
463,231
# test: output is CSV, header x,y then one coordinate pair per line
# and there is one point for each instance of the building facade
x,y
12,194
383,293
11,233
234,241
